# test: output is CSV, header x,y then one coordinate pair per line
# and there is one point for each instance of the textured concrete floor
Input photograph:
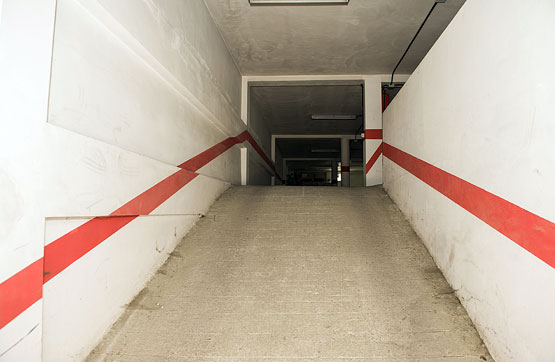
x,y
297,274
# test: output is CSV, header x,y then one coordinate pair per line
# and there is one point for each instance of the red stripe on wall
x,y
373,134
149,200
530,231
246,136
20,291
66,250
374,158
25,288
202,159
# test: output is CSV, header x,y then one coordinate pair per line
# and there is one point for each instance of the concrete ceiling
x,y
288,109
364,37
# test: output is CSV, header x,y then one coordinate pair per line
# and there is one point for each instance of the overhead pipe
x,y
414,38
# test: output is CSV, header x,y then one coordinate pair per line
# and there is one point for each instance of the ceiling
x,y
364,37
288,109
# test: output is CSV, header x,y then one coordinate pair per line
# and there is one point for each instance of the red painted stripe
x,y
64,251
20,291
374,157
373,134
345,169
149,200
530,231
250,139
202,159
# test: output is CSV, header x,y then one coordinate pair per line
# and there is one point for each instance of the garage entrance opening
x,y
315,128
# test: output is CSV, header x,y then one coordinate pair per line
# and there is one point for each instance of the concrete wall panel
x,y
21,340
103,89
188,44
478,107
258,128
258,174
137,88
88,296
26,30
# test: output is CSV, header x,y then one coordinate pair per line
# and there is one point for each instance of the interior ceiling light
x,y
299,2
333,117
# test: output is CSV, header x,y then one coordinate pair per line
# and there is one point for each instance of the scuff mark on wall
x,y
19,340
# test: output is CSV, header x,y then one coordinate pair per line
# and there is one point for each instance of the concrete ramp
x,y
297,274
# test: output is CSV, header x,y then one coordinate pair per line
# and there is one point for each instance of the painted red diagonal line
x,y
20,291
64,251
202,159
530,231
149,200
374,158
25,287
246,136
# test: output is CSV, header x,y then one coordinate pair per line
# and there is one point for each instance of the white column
x,y
244,165
244,98
373,124
345,163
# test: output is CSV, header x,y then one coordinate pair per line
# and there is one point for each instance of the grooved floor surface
x,y
297,274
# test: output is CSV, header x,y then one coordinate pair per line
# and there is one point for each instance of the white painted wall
x,y
481,106
258,126
26,28
137,88
372,120
259,173
153,80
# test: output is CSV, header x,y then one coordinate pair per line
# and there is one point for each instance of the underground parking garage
x,y
277,180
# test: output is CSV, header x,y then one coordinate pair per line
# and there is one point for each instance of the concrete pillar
x,y
345,163
244,165
373,130
334,172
